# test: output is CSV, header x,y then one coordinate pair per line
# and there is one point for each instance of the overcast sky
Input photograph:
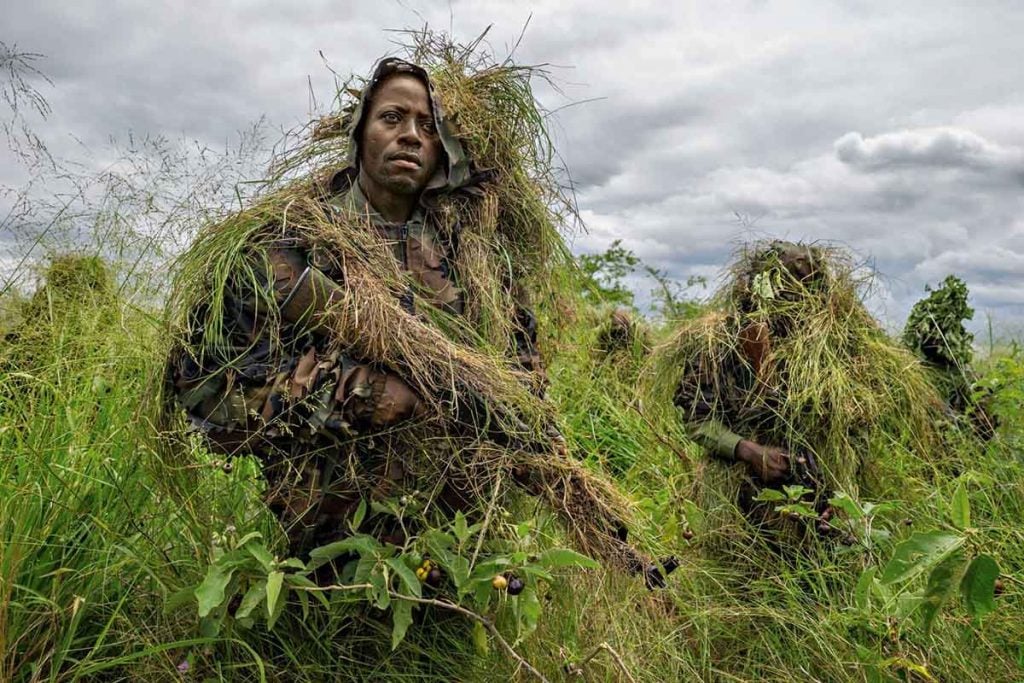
x,y
896,128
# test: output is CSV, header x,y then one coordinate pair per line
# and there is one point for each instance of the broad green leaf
x,y
383,508
260,552
538,571
456,565
460,528
256,594
942,583
802,509
364,568
880,535
878,509
304,603
437,540
529,611
907,604
362,544
918,554
862,594
487,570
300,582
291,563
407,576
251,536
210,593
480,639
482,591
234,559
209,626
848,505
380,595
978,586
563,557
401,616
770,496
796,491
359,516
274,582
960,508
276,613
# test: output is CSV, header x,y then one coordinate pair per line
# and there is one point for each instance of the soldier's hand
x,y
768,463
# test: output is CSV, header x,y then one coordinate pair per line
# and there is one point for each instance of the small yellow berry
x,y
499,582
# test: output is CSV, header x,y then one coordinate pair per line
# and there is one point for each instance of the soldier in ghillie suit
x,y
364,331
789,380
935,331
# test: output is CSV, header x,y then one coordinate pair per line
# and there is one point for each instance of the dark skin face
x,y
399,150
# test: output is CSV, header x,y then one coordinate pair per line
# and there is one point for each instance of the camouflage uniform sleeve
x,y
699,398
525,339
372,397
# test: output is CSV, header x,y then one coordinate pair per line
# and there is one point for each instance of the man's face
x,y
399,149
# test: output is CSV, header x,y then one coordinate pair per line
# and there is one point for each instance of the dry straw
x,y
509,242
833,383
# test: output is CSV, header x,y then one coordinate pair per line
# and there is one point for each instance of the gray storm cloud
x,y
896,129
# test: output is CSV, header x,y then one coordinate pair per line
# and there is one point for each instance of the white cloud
x,y
931,147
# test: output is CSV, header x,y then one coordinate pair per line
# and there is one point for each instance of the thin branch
x,y
615,655
486,523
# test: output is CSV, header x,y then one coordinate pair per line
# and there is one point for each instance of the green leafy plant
x,y
245,569
935,328
929,568
246,584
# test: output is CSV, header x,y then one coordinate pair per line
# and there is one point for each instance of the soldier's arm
x,y
698,398
304,294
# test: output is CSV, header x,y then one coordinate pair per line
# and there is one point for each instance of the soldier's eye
x,y
429,126
391,117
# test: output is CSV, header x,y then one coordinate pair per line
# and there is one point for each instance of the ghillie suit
x,y
365,360
935,331
789,357
621,333
68,284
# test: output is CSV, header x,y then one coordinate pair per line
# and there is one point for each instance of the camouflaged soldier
x,y
286,396
714,396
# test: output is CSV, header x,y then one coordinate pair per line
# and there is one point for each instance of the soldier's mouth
x,y
405,160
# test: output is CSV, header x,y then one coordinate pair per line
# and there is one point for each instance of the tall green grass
x,y
93,545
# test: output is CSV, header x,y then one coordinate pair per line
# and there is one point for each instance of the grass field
x,y
105,526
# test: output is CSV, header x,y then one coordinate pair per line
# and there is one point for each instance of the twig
x,y
615,655
487,521
484,621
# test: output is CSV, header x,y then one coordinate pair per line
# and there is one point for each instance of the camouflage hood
x,y
455,171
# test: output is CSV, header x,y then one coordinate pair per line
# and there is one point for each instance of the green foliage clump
x,y
935,328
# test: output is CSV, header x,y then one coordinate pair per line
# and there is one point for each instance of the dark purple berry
x,y
515,585
434,577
